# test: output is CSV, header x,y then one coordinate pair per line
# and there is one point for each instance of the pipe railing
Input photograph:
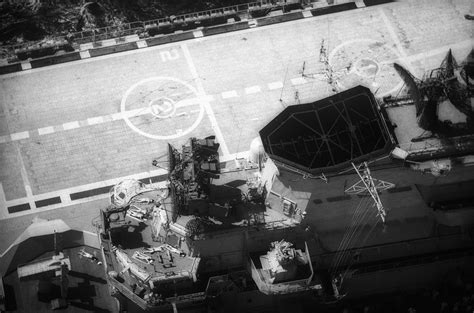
x,y
169,24
244,9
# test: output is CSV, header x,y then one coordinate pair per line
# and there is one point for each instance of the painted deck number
x,y
169,55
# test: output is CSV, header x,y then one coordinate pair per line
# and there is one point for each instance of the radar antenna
x,y
371,186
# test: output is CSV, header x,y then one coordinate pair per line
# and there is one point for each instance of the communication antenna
x,y
371,186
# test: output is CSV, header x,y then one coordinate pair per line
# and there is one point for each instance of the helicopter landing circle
x,y
162,108
367,62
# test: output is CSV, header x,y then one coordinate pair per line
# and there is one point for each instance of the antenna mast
x,y
370,185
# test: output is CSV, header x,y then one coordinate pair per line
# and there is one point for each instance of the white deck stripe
x,y
395,39
117,116
298,81
206,104
229,94
19,136
26,66
253,89
46,130
95,120
275,85
71,125
141,44
84,54
198,34
86,187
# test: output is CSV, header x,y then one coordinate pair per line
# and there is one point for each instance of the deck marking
x,y
253,89
84,54
25,66
26,181
71,125
95,120
19,136
3,203
117,116
156,109
198,34
142,44
229,94
333,56
395,39
298,81
46,130
206,104
466,44
64,194
275,85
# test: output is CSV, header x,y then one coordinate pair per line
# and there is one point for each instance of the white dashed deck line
x,y
193,101
84,54
65,198
71,125
198,34
205,104
298,81
3,203
25,66
117,116
136,112
19,136
64,194
46,130
396,40
141,44
229,94
275,85
95,120
466,44
253,89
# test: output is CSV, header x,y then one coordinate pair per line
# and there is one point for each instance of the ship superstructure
x,y
168,244
334,188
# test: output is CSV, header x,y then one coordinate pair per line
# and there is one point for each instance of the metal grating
x,y
328,134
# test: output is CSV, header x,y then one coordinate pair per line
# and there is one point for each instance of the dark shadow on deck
x,y
129,236
87,277
88,306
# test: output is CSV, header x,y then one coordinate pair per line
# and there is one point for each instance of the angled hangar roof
x,y
328,134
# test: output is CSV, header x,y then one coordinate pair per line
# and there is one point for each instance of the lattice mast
x,y
370,185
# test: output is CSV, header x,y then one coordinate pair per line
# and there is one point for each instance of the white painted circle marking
x,y
369,64
163,106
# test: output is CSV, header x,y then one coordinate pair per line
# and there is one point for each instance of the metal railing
x,y
166,25
140,27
